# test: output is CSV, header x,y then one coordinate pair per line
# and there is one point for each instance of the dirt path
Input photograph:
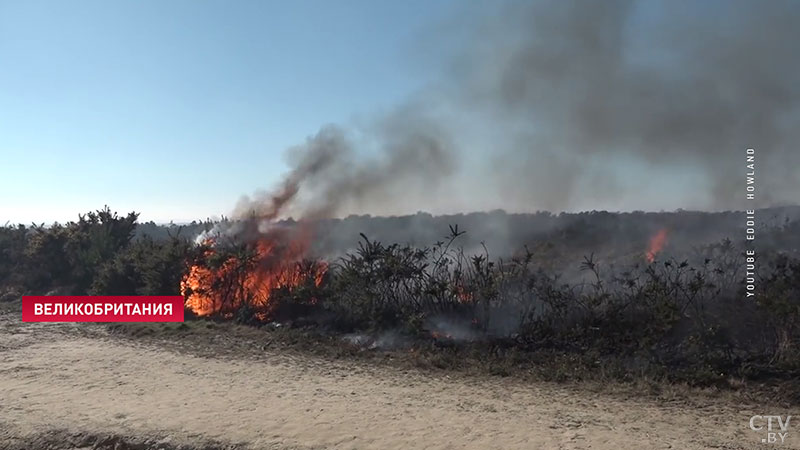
x,y
55,380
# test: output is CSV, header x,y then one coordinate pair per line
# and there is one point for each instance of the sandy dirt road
x,y
51,379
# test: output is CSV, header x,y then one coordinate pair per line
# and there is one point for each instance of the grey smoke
x,y
683,86
564,105
387,340
401,155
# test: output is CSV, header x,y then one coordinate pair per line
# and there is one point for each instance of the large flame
x,y
657,243
213,286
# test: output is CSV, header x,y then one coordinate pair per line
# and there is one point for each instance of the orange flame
x,y
224,287
657,243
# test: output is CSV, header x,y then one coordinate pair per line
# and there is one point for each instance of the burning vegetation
x,y
452,298
657,243
687,318
226,277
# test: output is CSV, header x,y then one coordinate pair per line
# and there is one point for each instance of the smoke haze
x,y
566,105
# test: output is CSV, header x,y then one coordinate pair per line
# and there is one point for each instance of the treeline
x,y
97,254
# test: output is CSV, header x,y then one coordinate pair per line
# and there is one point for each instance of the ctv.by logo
x,y
777,428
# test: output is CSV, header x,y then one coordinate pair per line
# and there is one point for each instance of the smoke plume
x,y
565,105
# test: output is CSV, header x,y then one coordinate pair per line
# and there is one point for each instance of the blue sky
x,y
176,108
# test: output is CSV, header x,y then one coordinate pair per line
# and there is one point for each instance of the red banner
x,y
110,308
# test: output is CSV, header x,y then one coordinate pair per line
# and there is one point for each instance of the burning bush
x,y
222,279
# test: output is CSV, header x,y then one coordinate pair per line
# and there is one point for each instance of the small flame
x,y
657,243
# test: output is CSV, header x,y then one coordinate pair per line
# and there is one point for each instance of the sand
x,y
52,379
